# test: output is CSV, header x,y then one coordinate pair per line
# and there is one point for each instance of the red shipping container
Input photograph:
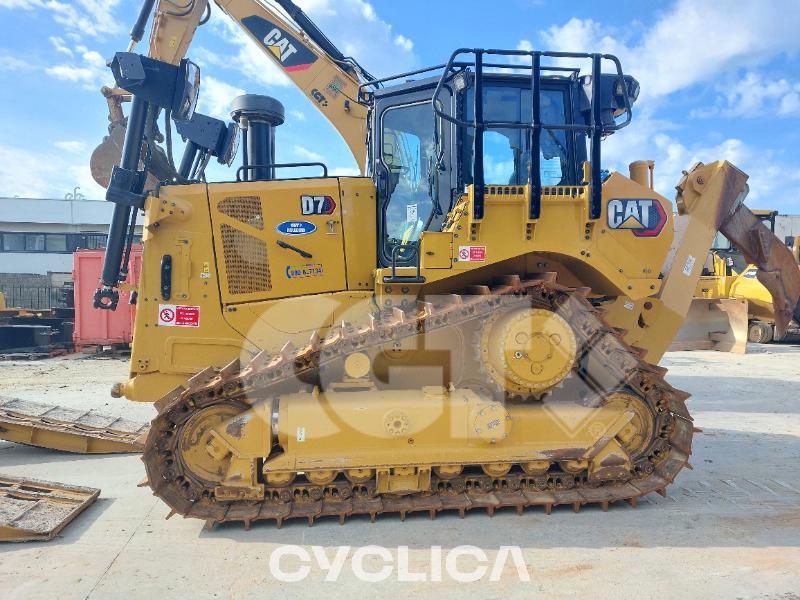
x,y
95,327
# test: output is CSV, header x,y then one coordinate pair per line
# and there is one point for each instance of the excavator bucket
x,y
107,154
714,324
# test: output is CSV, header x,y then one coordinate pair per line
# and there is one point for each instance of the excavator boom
x,y
329,80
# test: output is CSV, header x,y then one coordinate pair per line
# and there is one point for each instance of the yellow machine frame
x,y
652,277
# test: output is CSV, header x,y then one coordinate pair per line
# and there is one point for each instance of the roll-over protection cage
x,y
457,66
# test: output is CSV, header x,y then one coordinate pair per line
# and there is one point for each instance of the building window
x,y
56,242
34,242
95,240
13,242
74,241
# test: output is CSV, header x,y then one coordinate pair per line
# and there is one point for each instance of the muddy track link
x,y
654,468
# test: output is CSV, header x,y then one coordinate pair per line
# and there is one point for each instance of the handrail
x,y
245,168
394,277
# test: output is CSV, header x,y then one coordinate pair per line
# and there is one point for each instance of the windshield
x,y
506,152
408,151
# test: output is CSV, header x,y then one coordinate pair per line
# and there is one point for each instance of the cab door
x,y
277,239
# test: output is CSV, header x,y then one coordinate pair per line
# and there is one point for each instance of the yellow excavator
x,y
731,305
474,323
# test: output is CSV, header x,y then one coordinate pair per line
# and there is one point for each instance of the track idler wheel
x,y
528,350
199,452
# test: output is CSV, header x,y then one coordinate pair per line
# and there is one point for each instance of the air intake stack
x,y
257,116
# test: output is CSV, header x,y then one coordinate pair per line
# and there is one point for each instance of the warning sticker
x,y
688,265
411,213
472,253
176,315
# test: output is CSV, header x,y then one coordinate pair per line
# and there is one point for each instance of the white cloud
x,y
307,154
71,146
13,63
88,69
48,175
698,42
752,96
60,45
298,115
215,99
692,42
23,4
790,104
94,18
658,140
405,43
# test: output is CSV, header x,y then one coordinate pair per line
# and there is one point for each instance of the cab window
x,y
507,152
408,153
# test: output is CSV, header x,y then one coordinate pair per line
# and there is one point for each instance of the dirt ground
x,y
730,528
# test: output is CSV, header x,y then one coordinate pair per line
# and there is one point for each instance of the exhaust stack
x,y
257,116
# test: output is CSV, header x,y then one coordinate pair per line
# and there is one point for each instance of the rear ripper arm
x,y
710,198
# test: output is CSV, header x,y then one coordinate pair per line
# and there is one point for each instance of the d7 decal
x,y
317,205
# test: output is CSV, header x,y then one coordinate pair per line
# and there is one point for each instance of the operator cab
x,y
429,138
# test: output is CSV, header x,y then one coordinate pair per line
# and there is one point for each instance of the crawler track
x,y
604,357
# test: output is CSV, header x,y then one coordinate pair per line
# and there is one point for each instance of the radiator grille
x,y
246,209
246,262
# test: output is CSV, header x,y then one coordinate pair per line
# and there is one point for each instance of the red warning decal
x,y
176,315
472,253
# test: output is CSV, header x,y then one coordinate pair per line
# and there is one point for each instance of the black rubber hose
x,y
141,21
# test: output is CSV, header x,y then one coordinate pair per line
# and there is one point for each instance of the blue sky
x,y
720,79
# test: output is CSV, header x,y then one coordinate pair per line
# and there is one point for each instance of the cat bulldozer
x,y
731,306
473,323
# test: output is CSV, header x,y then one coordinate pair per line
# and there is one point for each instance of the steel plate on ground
x,y
35,510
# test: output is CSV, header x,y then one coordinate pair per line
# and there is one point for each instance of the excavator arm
x,y
329,79
777,267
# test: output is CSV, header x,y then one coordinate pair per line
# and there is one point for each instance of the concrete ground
x,y
730,528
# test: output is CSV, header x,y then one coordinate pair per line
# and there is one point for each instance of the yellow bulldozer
x,y
473,323
731,306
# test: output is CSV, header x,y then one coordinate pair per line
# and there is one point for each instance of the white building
x,y
38,236
787,226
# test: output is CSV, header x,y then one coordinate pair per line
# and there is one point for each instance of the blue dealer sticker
x,y
296,227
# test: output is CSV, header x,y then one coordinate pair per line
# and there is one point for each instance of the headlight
x,y
186,94
231,145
